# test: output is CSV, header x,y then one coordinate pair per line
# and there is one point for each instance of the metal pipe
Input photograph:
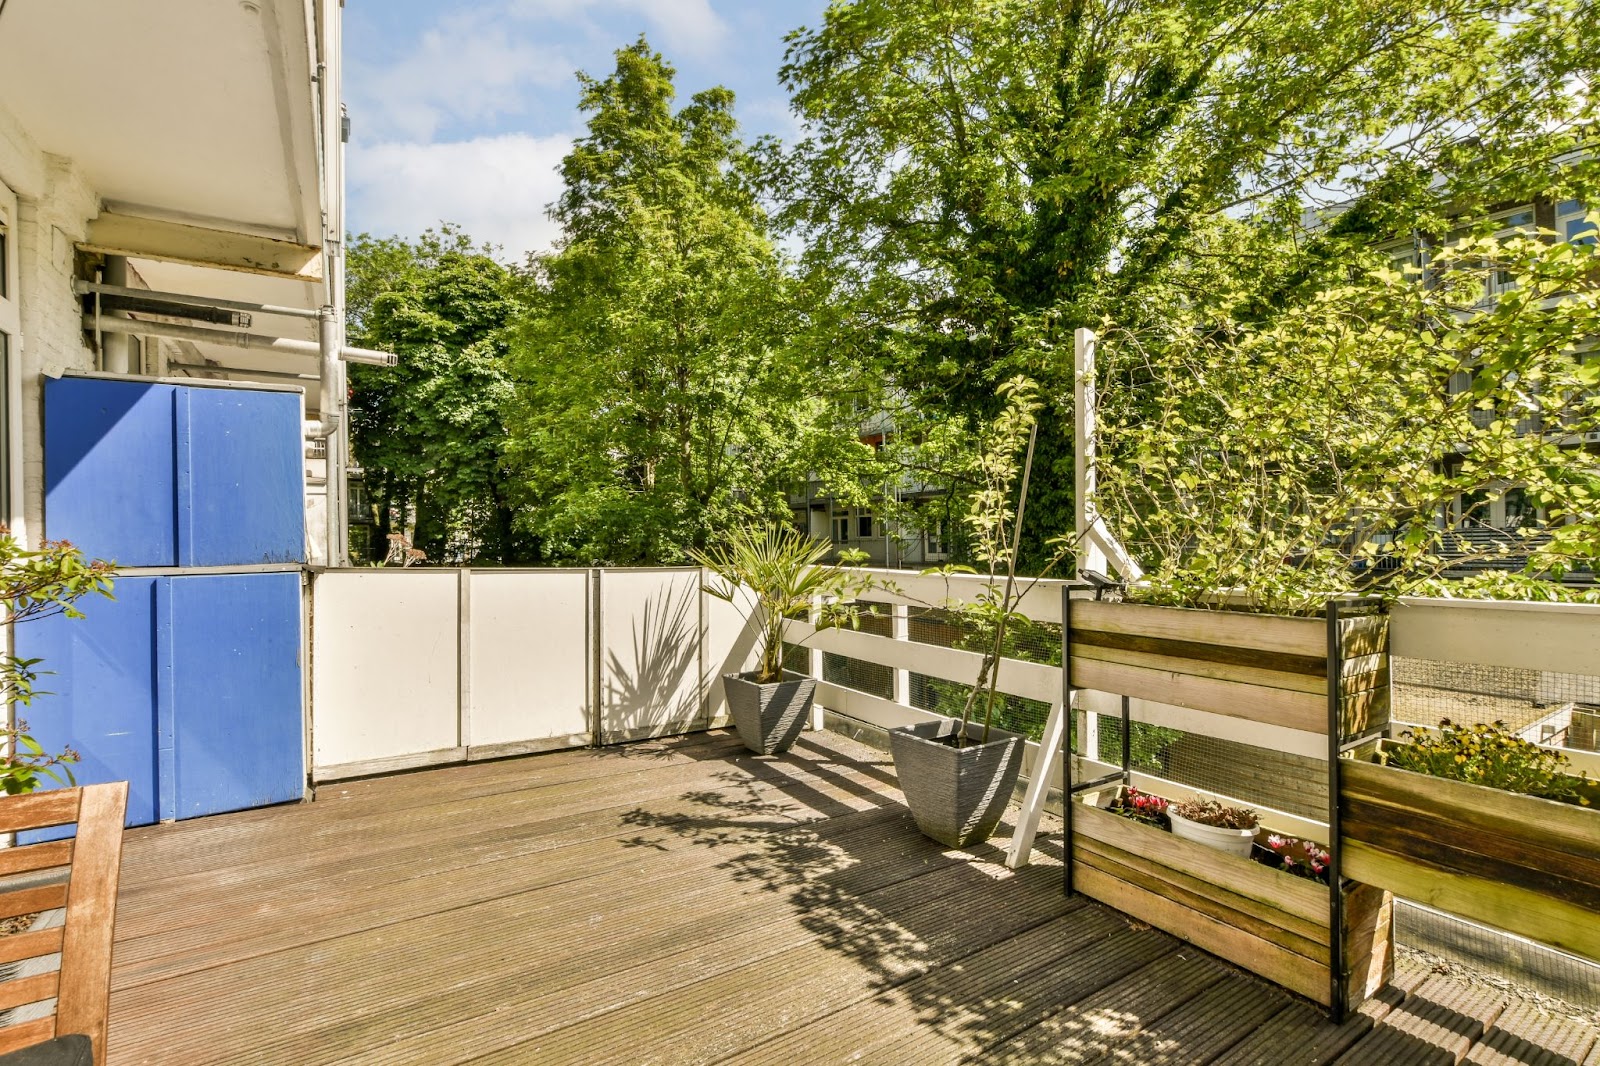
x,y
270,375
84,288
328,400
237,339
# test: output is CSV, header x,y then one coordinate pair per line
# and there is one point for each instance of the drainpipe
x,y
328,405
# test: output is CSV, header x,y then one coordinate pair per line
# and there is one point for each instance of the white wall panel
x,y
649,652
730,648
384,678
529,660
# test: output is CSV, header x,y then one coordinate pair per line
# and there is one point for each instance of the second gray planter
x,y
957,795
769,717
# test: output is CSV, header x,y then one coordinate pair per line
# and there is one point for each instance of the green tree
x,y
981,176
428,432
1348,428
658,400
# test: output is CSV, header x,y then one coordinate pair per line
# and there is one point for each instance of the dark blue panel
x,y
110,483
236,694
243,499
102,685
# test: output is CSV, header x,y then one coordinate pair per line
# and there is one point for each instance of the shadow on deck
x,y
683,901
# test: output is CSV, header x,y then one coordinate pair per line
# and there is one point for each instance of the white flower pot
x,y
1234,841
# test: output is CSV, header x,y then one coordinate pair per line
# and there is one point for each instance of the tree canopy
x,y
428,432
657,396
982,176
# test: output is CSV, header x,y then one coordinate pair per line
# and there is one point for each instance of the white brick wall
x,y
54,206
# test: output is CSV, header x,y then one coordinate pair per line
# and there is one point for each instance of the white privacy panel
x,y
384,677
529,662
650,626
730,647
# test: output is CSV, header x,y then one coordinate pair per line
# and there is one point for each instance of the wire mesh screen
x,y
1543,706
1260,776
1030,641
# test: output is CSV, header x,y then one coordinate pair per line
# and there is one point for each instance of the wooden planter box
x,y
1269,922
1266,668
1520,863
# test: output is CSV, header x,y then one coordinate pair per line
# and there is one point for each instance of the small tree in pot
x,y
958,774
777,574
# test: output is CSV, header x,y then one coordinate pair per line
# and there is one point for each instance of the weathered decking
x,y
682,901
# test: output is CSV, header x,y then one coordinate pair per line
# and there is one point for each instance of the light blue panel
x,y
241,493
102,691
110,483
236,692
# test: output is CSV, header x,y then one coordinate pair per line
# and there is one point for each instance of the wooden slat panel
x,y
1517,910
1293,710
1549,823
1281,662
1301,898
1294,972
28,989
35,857
1224,727
1448,845
32,900
1206,899
39,810
1306,637
30,945
91,916
26,1034
1219,671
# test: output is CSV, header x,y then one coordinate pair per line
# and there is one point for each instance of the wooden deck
x,y
682,901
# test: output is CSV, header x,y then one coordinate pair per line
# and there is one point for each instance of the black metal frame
x,y
1337,611
1068,789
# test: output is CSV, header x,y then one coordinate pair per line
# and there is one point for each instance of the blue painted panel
x,y
243,499
102,684
110,483
236,692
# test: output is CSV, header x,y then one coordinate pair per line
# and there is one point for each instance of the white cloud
x,y
689,26
496,188
465,68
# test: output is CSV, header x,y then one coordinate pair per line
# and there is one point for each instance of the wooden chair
x,y
78,876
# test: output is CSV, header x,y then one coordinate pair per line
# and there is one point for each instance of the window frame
x,y
10,367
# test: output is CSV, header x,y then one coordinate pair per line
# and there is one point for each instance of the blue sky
x,y
461,110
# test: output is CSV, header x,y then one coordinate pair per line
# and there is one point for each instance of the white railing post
x,y
901,630
814,657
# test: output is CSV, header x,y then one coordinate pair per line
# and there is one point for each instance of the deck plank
x,y
683,901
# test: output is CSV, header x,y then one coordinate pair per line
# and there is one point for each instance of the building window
x,y
1573,224
864,523
933,537
841,525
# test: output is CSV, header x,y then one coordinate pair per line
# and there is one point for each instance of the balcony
x,y
678,901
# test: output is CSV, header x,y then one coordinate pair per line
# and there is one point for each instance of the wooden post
x,y
814,660
1091,556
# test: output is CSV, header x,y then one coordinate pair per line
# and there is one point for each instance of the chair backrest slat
x,y
30,945
35,857
32,900
82,983
39,810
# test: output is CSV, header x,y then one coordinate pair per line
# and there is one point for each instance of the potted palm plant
x,y
777,574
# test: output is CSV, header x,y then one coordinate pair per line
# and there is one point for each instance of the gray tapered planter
x,y
957,795
769,717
